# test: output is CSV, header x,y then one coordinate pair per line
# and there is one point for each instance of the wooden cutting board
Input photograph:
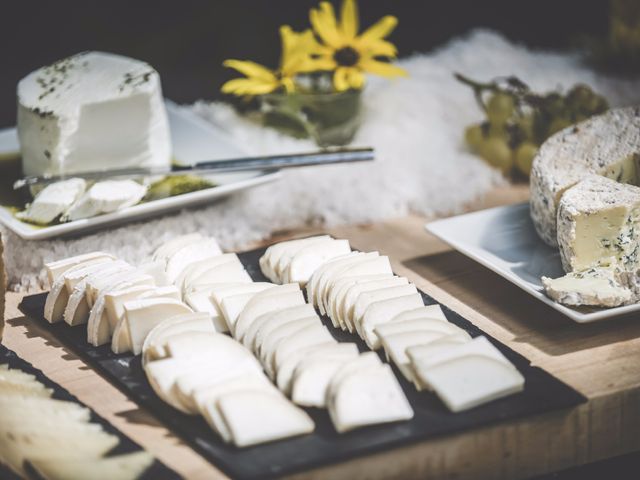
x,y
602,361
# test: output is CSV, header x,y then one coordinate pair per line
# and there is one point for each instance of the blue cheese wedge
x,y
599,225
92,111
606,145
53,201
597,286
106,197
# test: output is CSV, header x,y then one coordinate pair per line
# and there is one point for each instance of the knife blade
x,y
265,162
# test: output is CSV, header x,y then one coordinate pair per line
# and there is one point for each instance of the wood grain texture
x,y
600,360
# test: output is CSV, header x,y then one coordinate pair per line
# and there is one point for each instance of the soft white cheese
x,y
106,197
53,201
92,111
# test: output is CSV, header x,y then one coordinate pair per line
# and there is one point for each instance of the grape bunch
x,y
519,120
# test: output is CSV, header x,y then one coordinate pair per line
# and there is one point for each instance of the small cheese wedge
x,y
98,283
371,264
467,381
191,253
379,313
128,466
426,311
58,296
229,272
307,260
57,268
419,324
365,299
188,383
207,398
77,310
314,285
255,417
426,352
165,251
311,379
281,268
264,324
343,287
195,269
323,351
53,201
265,302
144,314
232,305
217,291
272,255
106,196
153,347
115,300
98,326
396,344
367,396
268,347
361,362
156,270
163,373
315,334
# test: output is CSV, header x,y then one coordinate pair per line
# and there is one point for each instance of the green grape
x,y
500,107
524,157
554,104
525,127
497,153
579,98
474,137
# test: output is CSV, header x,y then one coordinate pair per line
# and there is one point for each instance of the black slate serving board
x,y
542,393
157,470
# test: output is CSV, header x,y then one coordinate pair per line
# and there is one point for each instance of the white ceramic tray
x,y
503,239
193,140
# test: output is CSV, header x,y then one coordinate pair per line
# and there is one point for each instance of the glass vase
x,y
330,119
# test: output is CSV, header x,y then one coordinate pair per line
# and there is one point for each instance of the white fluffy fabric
x,y
415,125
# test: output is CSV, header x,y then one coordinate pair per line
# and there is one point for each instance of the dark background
x,y
186,41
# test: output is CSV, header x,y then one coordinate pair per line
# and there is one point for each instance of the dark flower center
x,y
346,57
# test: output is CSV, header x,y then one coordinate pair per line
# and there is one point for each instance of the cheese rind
x,y
607,145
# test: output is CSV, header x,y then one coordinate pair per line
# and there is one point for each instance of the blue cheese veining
x,y
606,145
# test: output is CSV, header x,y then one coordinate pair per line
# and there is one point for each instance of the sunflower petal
x,y
355,78
251,69
380,29
323,21
340,79
248,86
377,48
349,19
383,69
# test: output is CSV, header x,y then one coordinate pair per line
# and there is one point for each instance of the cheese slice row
x,y
31,422
295,261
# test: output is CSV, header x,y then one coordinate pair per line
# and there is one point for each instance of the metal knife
x,y
271,162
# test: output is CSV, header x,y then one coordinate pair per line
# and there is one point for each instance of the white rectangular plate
x,y
193,140
503,240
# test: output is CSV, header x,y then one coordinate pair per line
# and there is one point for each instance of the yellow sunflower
x,y
349,54
295,59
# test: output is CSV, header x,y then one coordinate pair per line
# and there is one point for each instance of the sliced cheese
x,y
307,260
144,314
127,466
53,201
426,311
265,302
166,250
254,417
383,311
264,324
311,378
368,396
315,334
57,268
365,299
272,255
191,253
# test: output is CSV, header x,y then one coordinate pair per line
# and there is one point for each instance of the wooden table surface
x,y
600,360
